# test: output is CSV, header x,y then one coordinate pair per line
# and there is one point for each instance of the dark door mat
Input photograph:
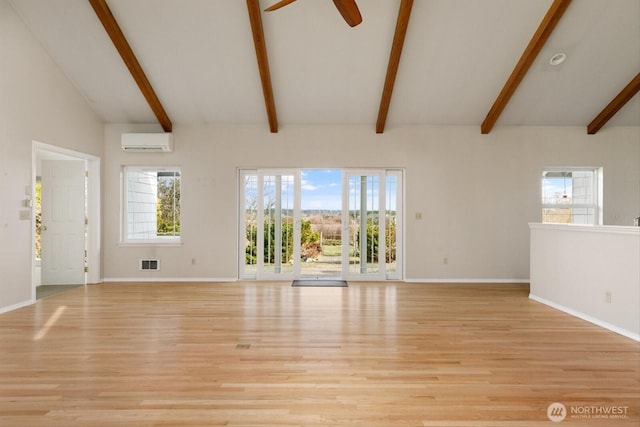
x,y
320,283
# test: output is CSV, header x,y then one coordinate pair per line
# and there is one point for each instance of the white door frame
x,y
40,149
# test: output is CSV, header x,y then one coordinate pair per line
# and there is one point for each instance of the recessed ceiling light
x,y
558,58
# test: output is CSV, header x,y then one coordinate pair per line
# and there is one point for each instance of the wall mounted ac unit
x,y
147,142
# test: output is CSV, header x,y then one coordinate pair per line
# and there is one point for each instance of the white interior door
x,y
363,232
63,222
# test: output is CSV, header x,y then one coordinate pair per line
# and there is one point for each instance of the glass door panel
x,y
248,225
270,225
393,224
363,234
278,222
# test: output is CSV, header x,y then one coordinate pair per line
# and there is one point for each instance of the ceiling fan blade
x,y
349,11
281,3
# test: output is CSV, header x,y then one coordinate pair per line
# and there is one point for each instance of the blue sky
x,y
321,189
552,188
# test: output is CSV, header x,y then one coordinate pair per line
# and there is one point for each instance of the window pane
x,y
251,224
583,216
557,188
153,204
570,196
363,224
142,189
168,208
583,186
557,215
278,223
391,201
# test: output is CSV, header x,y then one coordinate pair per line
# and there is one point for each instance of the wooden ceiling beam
x,y
402,24
529,55
615,105
124,49
255,18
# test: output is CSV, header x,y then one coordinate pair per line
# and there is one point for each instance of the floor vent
x,y
150,265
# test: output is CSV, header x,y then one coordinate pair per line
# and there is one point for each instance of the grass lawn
x,y
331,250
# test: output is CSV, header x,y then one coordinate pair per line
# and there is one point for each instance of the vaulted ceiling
x,y
200,59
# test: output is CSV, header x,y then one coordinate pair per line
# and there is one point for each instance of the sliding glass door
x,y
277,233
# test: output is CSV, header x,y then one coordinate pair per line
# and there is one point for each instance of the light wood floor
x,y
267,354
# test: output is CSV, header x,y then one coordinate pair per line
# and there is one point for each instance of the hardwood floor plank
x,y
242,354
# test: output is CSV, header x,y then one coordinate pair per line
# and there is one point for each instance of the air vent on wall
x,y
150,264
147,142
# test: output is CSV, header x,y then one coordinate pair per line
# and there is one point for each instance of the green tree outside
x,y
373,233
168,207
308,237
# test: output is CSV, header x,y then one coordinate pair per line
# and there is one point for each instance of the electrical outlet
x,y
607,297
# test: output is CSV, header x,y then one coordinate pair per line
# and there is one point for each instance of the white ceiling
x,y
200,59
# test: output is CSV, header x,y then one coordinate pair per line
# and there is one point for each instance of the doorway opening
x,y
65,196
320,224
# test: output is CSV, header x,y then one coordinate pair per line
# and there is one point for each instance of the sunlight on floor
x,y
52,320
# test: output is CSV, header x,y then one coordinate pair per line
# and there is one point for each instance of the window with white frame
x,y
572,196
151,205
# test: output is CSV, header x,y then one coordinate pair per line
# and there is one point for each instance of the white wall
x,y
590,272
37,103
477,193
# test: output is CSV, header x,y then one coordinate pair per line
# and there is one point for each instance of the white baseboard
x,y
168,279
235,279
586,317
480,281
16,306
